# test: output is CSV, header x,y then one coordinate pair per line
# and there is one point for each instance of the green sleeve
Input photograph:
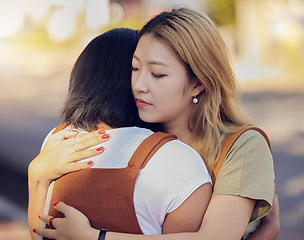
x,y
247,171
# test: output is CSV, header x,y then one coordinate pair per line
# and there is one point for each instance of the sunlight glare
x,y
11,17
97,13
62,23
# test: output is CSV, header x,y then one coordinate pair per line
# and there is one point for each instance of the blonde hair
x,y
196,41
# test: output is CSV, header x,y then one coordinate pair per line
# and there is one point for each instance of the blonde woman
x,y
181,59
127,182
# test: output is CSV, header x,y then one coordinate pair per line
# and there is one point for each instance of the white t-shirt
x,y
173,173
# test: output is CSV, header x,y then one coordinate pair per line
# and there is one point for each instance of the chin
x,y
148,119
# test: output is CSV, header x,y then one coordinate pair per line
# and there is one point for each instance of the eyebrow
x,y
152,62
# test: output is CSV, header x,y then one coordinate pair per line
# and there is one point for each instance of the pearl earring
x,y
195,100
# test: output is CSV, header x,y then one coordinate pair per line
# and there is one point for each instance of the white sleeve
x,y
46,138
185,172
170,177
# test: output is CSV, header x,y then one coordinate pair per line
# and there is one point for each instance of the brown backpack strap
x,y
60,127
148,147
227,143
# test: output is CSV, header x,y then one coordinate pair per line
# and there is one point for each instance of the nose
x,y
139,83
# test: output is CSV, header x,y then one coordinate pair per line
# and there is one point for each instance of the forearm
x,y
37,195
175,236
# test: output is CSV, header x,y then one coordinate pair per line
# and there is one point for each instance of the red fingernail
x,y
39,217
99,149
34,230
75,131
55,204
105,136
101,132
90,162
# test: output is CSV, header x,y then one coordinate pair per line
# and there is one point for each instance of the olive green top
x,y
247,171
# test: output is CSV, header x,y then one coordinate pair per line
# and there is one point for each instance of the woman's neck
x,y
103,126
184,134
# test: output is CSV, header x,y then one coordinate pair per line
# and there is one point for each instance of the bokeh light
x,y
62,23
11,17
97,13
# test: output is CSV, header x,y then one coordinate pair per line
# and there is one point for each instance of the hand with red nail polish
x,y
73,226
61,154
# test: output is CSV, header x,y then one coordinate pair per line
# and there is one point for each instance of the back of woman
x,y
100,98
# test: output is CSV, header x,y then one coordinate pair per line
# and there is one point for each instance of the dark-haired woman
x,y
172,190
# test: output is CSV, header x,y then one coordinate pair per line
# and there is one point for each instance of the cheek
x,y
132,84
173,93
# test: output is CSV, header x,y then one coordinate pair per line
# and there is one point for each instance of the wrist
x,y
35,177
92,234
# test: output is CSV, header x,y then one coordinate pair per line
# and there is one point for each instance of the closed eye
x,y
158,75
134,69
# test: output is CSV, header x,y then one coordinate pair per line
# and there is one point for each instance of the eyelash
x,y
158,76
154,75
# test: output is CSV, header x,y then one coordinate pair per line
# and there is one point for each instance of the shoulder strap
x,y
148,147
60,127
227,143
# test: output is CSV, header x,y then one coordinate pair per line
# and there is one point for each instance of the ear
x,y
198,87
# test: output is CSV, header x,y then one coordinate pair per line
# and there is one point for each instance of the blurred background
x,y
41,39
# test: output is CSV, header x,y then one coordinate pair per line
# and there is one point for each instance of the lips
x,y
141,103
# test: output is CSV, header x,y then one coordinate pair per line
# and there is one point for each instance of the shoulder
x,y
250,146
248,170
252,138
181,159
250,152
180,151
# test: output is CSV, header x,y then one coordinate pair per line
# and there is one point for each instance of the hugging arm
x,y
186,218
57,158
223,220
215,218
218,216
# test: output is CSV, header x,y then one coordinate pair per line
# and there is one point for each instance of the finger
x,y
49,220
73,167
65,134
45,232
276,197
62,207
84,154
88,140
275,201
